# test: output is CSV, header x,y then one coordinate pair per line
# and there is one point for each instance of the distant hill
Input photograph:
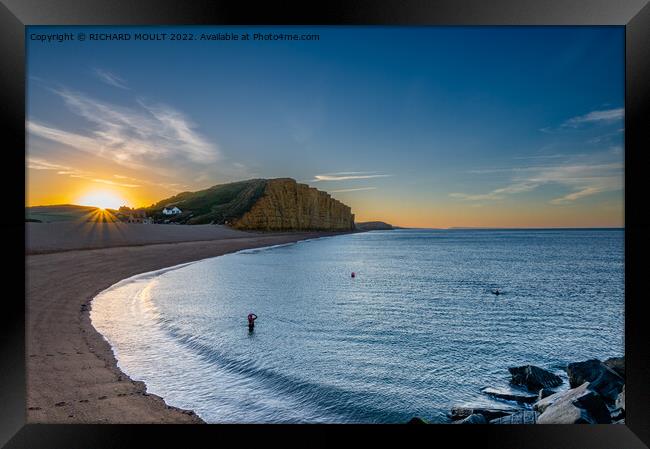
x,y
374,226
259,204
58,212
470,227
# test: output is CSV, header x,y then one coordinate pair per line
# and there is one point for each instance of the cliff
x,y
259,204
287,205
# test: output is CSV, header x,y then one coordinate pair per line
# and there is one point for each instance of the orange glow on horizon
x,y
103,199
47,188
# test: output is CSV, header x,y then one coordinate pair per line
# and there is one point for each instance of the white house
x,y
173,211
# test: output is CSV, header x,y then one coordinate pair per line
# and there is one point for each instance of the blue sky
x,y
436,126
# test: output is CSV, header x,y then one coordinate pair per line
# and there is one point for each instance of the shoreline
x,y
72,373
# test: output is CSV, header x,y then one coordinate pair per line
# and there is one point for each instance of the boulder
x,y
458,413
522,417
416,420
543,404
473,419
620,399
511,395
594,404
602,379
579,405
617,364
533,377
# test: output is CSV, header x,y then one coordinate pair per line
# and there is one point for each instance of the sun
x,y
102,199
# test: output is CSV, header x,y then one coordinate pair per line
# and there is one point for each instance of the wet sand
x,y
72,375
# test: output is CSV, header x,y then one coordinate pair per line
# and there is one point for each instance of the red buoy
x,y
353,275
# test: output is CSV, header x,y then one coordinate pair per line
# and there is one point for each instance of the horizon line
x,y
448,228
478,228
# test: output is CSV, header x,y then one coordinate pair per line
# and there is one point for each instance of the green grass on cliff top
x,y
216,204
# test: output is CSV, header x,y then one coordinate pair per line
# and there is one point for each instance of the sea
x,y
418,329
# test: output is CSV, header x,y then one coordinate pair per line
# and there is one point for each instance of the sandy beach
x,y
67,236
72,375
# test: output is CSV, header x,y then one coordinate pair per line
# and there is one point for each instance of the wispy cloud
x,y
171,186
113,183
346,176
133,137
608,115
543,156
585,180
352,190
497,194
587,191
584,177
606,137
111,78
64,137
35,163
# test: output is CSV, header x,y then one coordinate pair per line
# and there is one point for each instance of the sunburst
x,y
102,199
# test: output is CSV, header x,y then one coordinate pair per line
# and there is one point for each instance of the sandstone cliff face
x,y
289,206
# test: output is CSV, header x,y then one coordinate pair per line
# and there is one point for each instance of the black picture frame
x,y
633,14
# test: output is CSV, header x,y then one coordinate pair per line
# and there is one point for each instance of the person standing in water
x,y
251,321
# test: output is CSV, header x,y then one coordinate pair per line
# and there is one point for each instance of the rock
x,y
511,395
458,413
533,377
617,414
543,404
617,364
287,205
602,379
620,399
544,393
579,405
416,420
473,419
593,403
522,417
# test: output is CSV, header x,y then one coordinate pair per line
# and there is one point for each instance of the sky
x,y
416,126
